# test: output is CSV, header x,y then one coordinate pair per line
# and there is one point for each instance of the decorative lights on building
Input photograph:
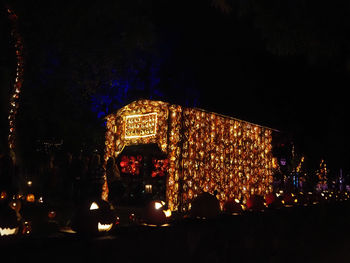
x,y
205,151
14,100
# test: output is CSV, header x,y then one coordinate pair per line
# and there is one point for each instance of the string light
x,y
206,151
14,100
322,175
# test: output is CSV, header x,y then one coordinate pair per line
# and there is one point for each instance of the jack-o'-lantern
x,y
30,198
205,206
255,203
270,198
273,201
232,207
8,221
156,213
289,199
94,217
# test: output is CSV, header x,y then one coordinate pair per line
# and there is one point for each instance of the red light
x,y
131,164
51,214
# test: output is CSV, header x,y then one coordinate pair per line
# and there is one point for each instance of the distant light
x,y
30,198
29,183
3,195
148,188
51,214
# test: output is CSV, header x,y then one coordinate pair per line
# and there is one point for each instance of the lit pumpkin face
x,y
8,221
94,217
30,198
8,231
156,213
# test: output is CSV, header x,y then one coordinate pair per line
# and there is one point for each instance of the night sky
x,y
282,65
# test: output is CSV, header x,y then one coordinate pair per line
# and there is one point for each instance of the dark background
x,y
278,64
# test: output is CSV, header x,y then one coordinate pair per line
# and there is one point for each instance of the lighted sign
x,y
140,125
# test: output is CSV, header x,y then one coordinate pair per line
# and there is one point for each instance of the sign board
x,y
140,125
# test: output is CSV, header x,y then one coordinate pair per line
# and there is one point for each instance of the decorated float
x,y
189,151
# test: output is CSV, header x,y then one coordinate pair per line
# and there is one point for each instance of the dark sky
x,y
229,61
302,94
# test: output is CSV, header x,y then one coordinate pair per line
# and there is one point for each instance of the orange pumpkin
x,y
232,207
154,213
256,203
205,205
270,198
30,198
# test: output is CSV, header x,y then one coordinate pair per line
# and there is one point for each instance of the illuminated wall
x,y
207,150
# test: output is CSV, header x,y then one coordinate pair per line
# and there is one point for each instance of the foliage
x,y
312,29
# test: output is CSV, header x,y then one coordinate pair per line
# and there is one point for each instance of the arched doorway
x,y
144,171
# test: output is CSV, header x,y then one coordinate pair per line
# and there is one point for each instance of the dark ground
x,y
305,234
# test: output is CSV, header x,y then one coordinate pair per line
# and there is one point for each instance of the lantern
x,y
94,217
8,221
30,198
156,213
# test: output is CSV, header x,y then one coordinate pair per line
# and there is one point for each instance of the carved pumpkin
x,y
94,217
232,206
289,199
204,206
156,213
273,202
256,203
270,198
8,221
30,198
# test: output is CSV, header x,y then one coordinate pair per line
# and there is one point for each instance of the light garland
x,y
206,151
14,100
322,175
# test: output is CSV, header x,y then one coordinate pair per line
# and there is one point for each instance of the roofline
x,y
195,108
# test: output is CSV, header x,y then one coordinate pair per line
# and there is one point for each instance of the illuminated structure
x,y
205,151
14,102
